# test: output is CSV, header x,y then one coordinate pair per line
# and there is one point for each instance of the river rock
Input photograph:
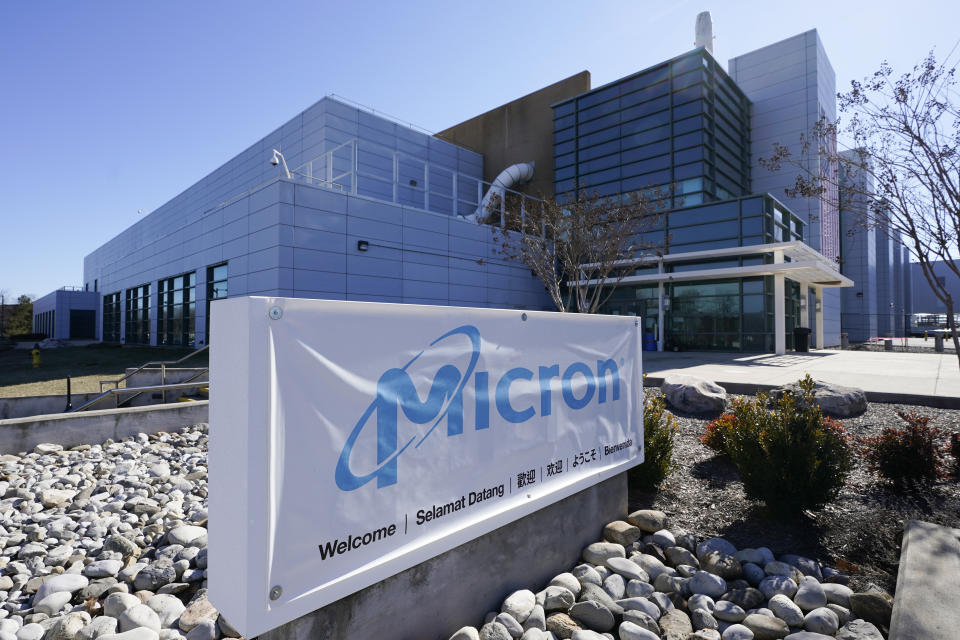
x,y
707,584
592,615
53,603
715,544
721,564
627,568
519,604
766,627
737,632
168,608
593,592
32,631
187,535
632,631
598,552
569,581
615,586
821,620
639,588
640,604
140,633
536,620
99,626
786,609
514,628
873,607
772,585
837,593
701,619
859,630
466,633
843,614
728,611
139,616
622,533
585,573
557,599
810,594
561,625
494,631
675,625
690,394
68,582
648,520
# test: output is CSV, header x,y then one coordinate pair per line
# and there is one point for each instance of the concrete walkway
x,y
891,376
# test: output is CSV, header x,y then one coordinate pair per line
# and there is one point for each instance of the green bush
x,y
907,456
659,427
788,454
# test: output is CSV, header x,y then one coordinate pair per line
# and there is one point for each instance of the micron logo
x,y
396,393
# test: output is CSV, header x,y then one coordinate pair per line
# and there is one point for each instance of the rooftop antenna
x,y
704,33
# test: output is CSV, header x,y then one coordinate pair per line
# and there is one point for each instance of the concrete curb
x,y
87,427
749,388
927,603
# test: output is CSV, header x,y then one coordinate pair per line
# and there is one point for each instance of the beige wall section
x,y
519,131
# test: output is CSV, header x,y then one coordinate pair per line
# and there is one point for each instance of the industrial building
x,y
344,203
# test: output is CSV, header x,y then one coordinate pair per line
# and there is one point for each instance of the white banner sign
x,y
351,440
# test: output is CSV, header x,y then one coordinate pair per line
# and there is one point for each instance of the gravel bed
x,y
859,531
107,541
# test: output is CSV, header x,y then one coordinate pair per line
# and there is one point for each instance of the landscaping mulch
x,y
859,532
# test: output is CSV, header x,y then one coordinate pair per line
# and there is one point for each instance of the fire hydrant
x,y
35,354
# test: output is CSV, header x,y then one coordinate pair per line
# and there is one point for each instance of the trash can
x,y
844,341
649,342
887,344
801,339
938,343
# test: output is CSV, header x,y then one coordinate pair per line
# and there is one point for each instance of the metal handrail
x,y
139,390
163,368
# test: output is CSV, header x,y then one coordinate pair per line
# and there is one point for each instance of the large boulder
x,y
690,394
834,400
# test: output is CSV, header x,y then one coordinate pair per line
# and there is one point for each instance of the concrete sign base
x,y
431,600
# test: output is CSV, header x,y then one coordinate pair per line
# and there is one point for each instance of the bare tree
x,y
578,246
903,134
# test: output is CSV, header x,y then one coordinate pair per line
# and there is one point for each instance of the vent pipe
x,y
513,175
704,34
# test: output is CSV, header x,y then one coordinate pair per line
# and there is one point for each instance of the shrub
x,y
659,427
716,436
787,453
907,456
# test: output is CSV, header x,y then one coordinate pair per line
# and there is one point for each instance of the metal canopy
x,y
806,266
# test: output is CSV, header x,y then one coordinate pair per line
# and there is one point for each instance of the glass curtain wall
x,y
216,288
137,330
111,317
177,310
682,124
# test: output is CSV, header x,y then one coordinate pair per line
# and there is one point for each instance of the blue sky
x,y
108,107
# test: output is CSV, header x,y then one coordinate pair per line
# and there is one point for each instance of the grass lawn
x,y
86,366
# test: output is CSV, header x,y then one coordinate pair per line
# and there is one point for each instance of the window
x,y
177,310
111,317
137,330
216,288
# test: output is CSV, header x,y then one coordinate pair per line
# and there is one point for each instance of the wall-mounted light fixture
x,y
362,245
818,307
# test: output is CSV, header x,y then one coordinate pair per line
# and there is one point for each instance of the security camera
x,y
275,160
